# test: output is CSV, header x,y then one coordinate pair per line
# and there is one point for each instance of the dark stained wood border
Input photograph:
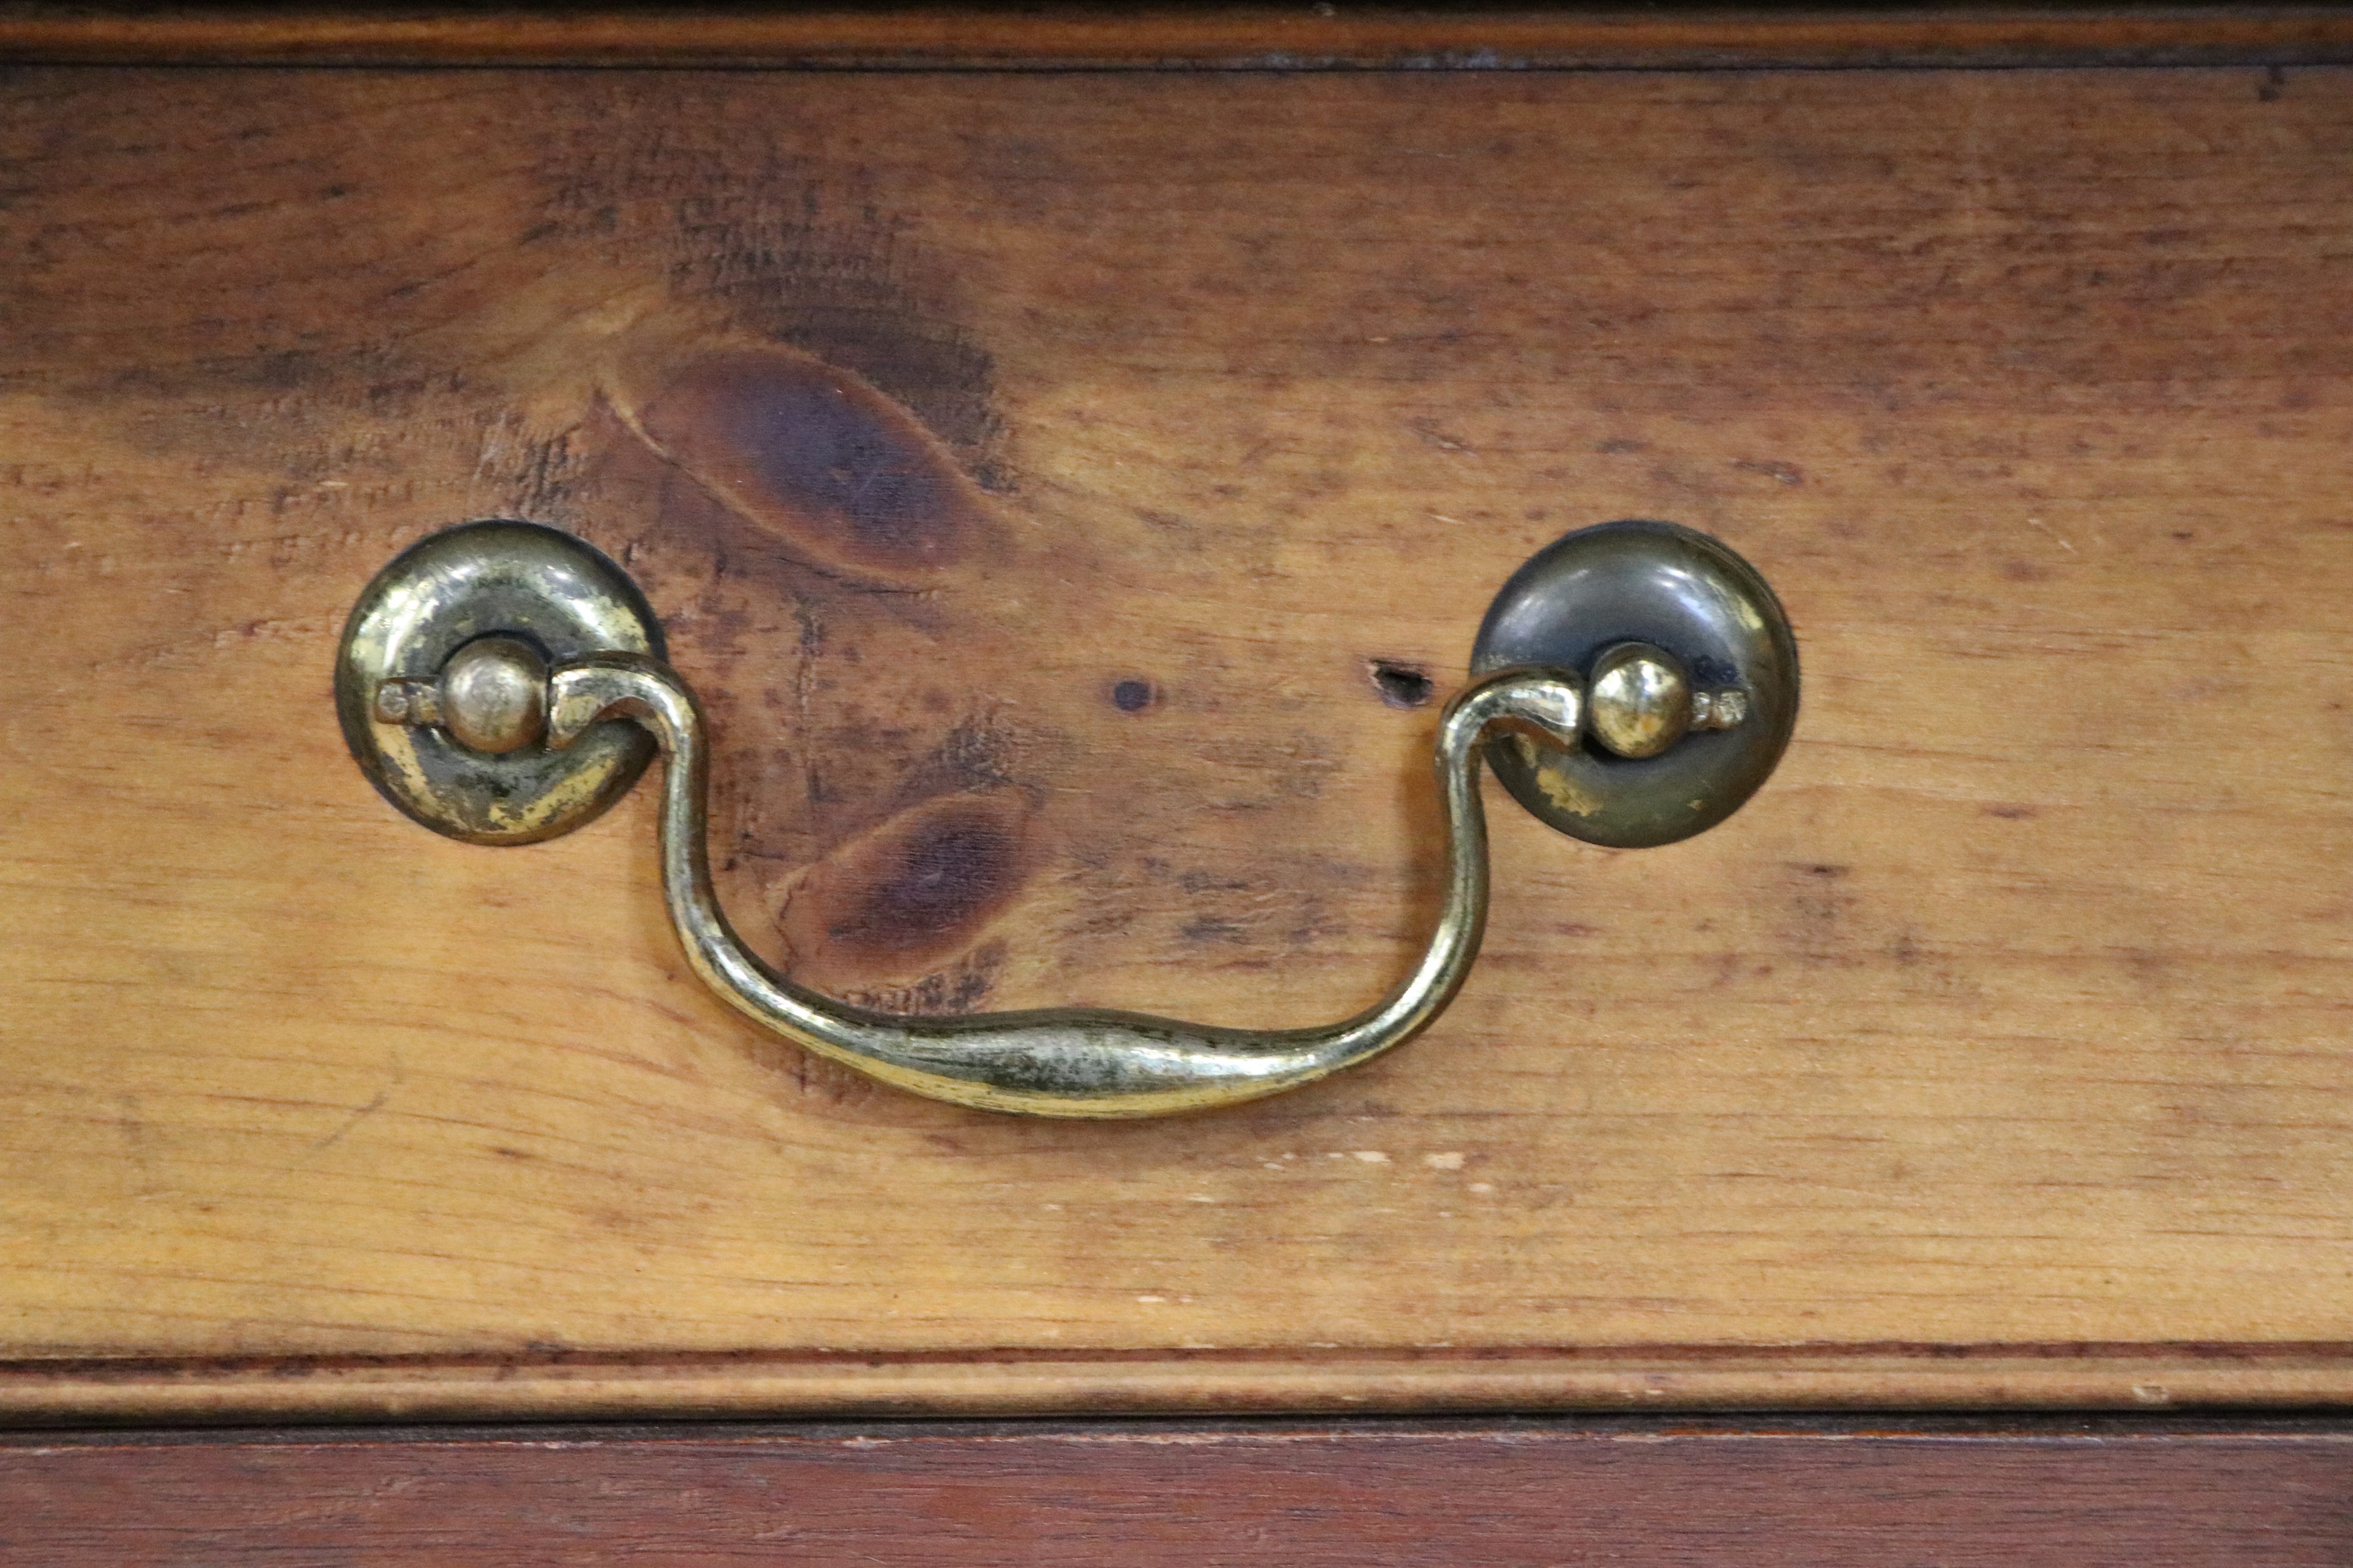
x,y
1257,38
2058,1494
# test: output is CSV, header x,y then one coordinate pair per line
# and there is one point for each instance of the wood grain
x,y
1231,37
1995,1052
2070,1495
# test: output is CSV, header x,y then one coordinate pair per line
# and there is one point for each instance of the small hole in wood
x,y
1401,685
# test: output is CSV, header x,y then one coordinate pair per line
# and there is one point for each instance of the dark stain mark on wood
x,y
936,878
818,458
960,987
1213,928
979,754
1820,903
1133,695
922,885
745,226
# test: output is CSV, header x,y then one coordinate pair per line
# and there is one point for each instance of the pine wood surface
x,y
1187,37
1995,1052
2058,1495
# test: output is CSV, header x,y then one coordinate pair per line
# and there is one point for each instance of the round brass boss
x,y
469,620
1691,675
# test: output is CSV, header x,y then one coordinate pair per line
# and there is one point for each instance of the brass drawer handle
x,y
479,669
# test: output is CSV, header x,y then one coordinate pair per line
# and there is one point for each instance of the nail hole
x,y
1401,685
1132,696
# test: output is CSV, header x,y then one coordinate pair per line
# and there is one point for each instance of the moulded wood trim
x,y
1255,37
559,1387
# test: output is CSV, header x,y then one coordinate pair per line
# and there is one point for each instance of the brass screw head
x,y
1639,700
494,695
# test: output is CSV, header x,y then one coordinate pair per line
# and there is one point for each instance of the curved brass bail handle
x,y
1638,681
1060,1061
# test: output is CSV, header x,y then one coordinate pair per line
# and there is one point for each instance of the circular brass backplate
x,y
559,594
1677,589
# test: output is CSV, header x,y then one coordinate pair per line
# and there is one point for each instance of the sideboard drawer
x,y
1996,1052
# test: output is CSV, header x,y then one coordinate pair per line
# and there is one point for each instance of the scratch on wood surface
x,y
1427,430
360,1113
2050,532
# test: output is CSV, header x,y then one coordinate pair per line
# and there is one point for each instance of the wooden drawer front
x,y
1996,1051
